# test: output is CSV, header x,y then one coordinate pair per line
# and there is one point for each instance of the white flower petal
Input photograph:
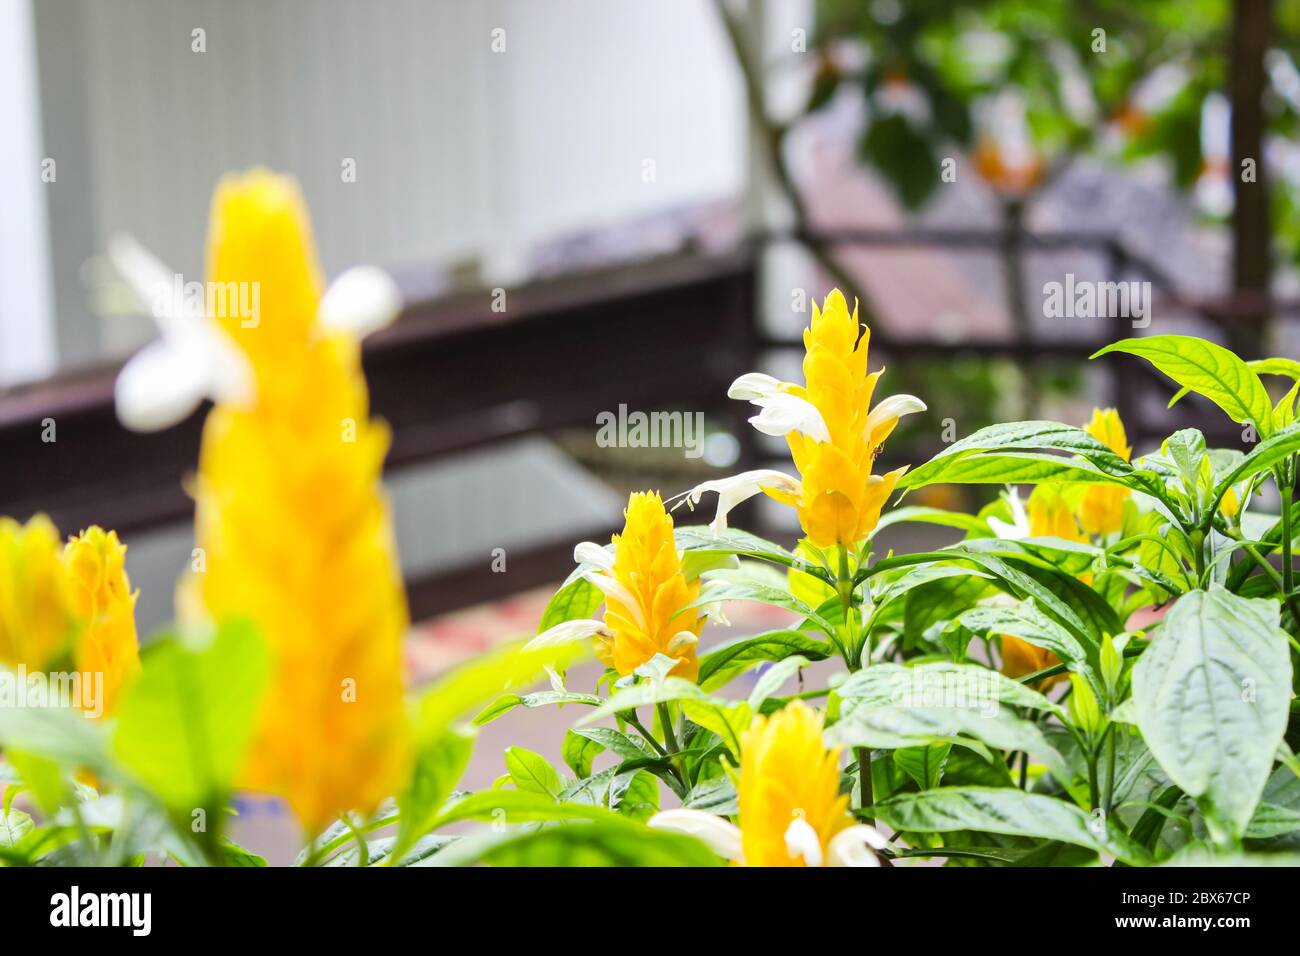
x,y
152,283
737,488
721,836
1019,527
682,640
361,300
801,840
160,386
786,413
754,385
567,632
589,552
613,588
895,406
849,847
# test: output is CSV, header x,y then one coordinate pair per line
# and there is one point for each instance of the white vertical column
x,y
27,340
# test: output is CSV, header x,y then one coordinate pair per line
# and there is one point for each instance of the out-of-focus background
x,y
597,209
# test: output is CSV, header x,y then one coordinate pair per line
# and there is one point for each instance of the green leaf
x,y
647,692
579,752
615,741
1027,622
1024,468
1022,436
508,702
700,540
716,796
635,794
892,728
1263,456
482,679
532,773
184,725
14,825
576,599
938,684
723,663
1207,369
607,840
742,590
924,764
1007,811
1212,694
939,516
437,766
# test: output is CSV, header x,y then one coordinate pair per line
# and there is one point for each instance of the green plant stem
x,y
1286,490
631,718
363,848
670,738
1110,771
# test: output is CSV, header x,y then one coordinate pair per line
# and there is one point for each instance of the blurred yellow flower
x,y
37,620
1102,509
833,431
292,522
791,810
102,596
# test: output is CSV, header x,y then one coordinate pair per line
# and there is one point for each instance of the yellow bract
x,y
840,502
787,774
101,595
37,622
1102,509
647,565
294,528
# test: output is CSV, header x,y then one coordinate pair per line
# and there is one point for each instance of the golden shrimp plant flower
x,y
102,596
1102,509
791,810
37,620
648,598
291,519
832,428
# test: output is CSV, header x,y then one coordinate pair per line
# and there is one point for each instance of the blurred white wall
x,y
462,153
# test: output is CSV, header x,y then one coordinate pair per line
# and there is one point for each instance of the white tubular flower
x,y
801,840
895,406
1019,527
719,835
194,359
853,846
732,491
781,411
361,300
589,552
613,588
567,632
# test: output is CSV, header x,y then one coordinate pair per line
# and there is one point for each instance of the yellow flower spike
x,y
788,775
293,523
37,619
101,594
1230,504
840,501
645,593
833,431
791,810
1102,508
